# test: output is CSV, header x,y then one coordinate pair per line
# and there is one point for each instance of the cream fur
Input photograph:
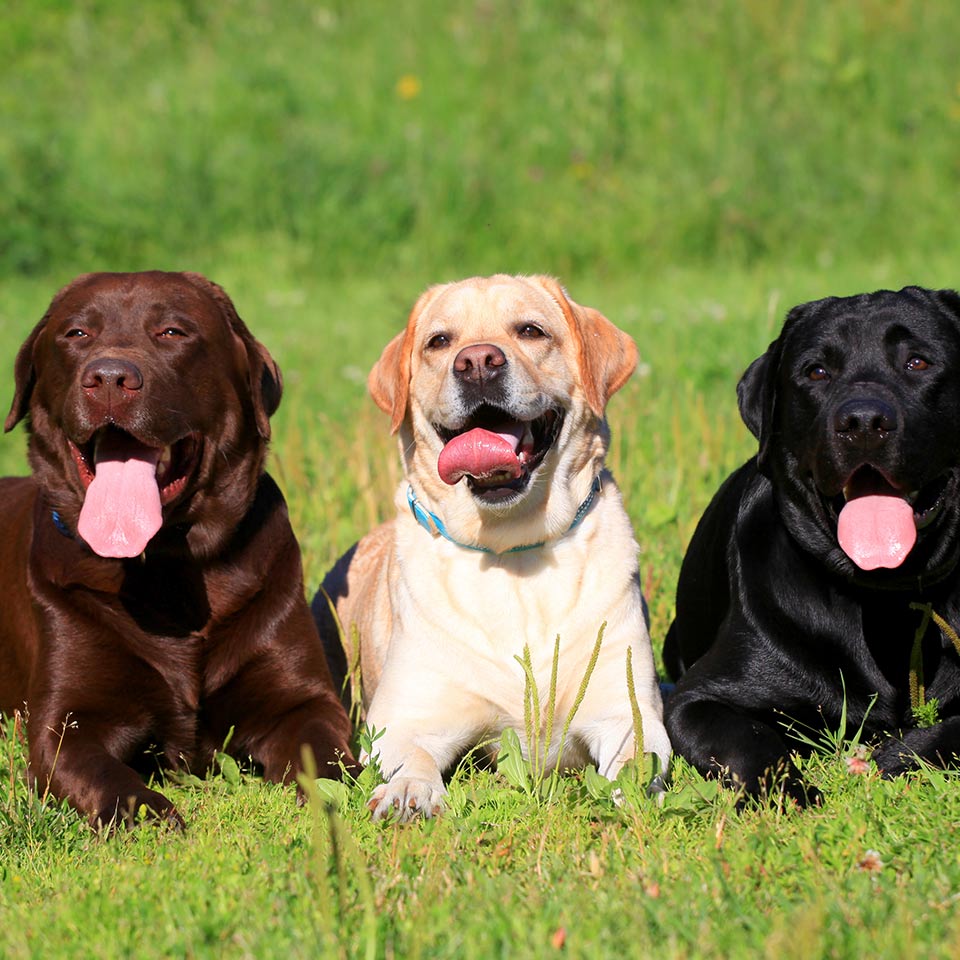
x,y
439,625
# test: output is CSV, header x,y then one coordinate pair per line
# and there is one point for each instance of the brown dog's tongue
x,y
121,510
877,530
481,454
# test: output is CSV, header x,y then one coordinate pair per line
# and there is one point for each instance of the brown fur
x,y
209,629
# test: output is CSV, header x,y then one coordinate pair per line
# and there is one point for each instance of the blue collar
x,y
60,525
434,525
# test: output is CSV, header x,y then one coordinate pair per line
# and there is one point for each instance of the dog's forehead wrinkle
x,y
488,303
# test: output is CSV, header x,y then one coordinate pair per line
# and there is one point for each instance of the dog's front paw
x,y
406,798
148,806
898,754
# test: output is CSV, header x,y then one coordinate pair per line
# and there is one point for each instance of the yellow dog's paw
x,y
406,798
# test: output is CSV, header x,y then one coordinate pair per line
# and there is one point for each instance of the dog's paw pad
x,y
404,799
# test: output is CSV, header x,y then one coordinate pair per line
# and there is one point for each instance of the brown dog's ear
x,y
389,380
24,378
266,382
24,373
606,355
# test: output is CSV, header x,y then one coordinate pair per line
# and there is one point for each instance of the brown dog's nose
x,y
479,363
111,372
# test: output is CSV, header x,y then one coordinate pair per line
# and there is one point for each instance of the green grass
x,y
502,873
692,170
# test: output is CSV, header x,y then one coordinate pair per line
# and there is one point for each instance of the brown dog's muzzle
x,y
111,373
109,385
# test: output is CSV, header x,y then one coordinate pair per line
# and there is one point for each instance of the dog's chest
x,y
471,616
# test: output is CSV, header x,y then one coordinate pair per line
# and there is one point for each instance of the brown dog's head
x,y
498,388
148,403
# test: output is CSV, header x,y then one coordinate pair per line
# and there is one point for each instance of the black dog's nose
x,y
111,372
479,363
865,420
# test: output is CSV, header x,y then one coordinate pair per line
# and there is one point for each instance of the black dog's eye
x,y
818,372
917,363
530,331
438,341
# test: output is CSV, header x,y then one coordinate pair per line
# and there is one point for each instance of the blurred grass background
x,y
692,169
599,139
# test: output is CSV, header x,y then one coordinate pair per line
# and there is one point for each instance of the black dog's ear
x,y
757,392
949,300
751,394
757,389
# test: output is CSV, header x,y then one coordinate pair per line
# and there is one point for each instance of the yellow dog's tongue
x,y
877,530
121,510
481,454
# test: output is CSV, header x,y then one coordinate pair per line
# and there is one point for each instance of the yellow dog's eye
x,y
438,341
530,331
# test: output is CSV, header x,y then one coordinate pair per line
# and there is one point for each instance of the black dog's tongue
x,y
876,526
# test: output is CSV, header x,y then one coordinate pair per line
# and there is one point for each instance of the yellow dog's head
x,y
498,387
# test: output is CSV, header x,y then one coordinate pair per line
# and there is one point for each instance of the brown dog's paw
x,y
149,807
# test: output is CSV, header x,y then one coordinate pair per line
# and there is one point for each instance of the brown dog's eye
x,y
917,363
818,373
438,341
530,331
74,332
171,333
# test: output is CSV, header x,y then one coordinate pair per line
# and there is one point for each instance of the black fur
x,y
774,622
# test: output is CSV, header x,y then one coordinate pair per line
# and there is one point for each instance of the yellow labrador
x,y
509,531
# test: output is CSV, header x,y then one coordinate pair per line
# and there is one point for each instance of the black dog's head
x,y
857,409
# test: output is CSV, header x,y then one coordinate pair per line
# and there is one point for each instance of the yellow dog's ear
x,y
389,380
606,356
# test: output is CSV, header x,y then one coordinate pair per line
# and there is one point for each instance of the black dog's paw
x,y
894,757
938,745
776,785
803,794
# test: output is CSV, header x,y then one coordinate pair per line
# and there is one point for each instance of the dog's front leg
x,y
413,752
611,743
75,764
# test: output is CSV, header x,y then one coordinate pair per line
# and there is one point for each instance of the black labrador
x,y
813,570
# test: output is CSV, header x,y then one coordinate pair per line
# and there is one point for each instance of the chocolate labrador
x,y
809,580
153,593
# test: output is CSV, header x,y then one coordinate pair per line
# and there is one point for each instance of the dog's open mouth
x,y
496,452
877,522
127,483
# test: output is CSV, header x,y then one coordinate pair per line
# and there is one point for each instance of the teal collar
x,y
434,525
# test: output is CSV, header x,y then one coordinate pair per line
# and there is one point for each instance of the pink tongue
x,y
481,454
877,531
121,510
